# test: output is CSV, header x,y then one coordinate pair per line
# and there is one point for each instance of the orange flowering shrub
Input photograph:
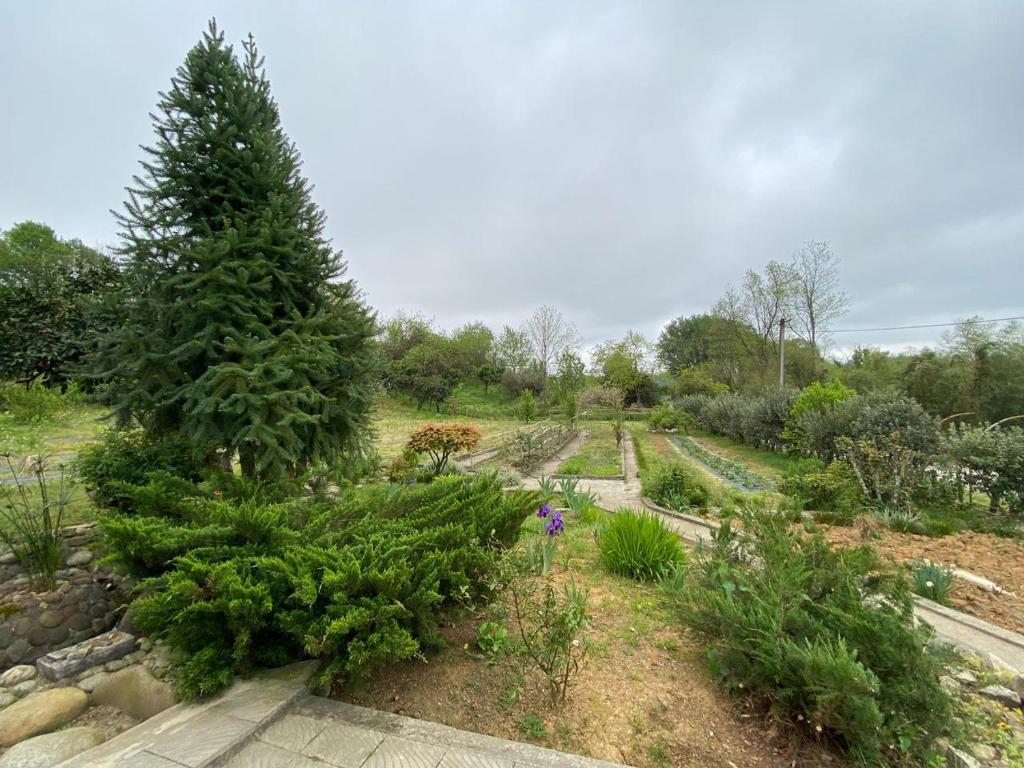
x,y
440,441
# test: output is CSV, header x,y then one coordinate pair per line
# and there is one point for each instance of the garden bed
x,y
599,456
998,559
645,698
727,470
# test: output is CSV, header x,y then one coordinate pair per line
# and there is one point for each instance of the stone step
x,y
203,734
96,651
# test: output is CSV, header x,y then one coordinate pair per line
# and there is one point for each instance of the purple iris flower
x,y
555,525
544,511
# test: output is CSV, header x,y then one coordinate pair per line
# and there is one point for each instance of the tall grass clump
x,y
823,637
31,516
932,581
638,545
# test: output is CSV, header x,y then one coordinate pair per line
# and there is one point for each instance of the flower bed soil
x,y
998,559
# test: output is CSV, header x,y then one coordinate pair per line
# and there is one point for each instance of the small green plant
x,y
931,580
550,624
526,406
674,485
31,518
493,639
533,727
576,500
540,555
638,545
548,488
900,519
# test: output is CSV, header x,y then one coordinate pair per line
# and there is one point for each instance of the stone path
x,y
273,722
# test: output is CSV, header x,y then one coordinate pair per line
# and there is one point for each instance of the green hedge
x,y
357,582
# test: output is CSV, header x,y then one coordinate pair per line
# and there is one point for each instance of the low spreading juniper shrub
x,y
357,582
823,637
829,491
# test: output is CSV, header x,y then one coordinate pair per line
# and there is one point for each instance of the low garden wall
x,y
85,603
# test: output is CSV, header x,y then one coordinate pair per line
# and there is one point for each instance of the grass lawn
x,y
60,439
644,697
394,421
599,456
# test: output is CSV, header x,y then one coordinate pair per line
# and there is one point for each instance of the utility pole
x,y
782,353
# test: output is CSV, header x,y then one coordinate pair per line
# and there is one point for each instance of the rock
x,y
1002,694
25,687
39,713
983,752
7,698
116,665
18,674
135,692
965,676
90,683
67,662
1017,684
81,557
52,748
145,644
959,759
950,684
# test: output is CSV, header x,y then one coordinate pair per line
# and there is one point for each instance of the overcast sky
x,y
621,161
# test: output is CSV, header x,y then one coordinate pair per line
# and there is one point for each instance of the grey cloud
x,y
621,161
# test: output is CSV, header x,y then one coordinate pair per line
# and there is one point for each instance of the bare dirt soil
x,y
998,559
645,697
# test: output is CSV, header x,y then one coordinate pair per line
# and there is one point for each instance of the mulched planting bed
x,y
998,559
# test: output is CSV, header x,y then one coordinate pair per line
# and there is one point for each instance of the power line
x,y
929,325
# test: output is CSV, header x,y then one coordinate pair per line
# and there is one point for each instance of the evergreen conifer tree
x,y
241,334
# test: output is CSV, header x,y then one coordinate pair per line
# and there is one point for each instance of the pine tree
x,y
241,335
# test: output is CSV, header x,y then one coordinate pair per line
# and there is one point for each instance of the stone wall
x,y
85,603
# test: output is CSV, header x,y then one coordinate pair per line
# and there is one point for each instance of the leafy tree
x,y
697,380
992,460
870,370
472,347
571,376
489,374
814,398
56,297
428,374
241,334
402,332
441,441
513,350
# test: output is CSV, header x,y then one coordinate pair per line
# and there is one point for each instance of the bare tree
x,y
816,299
759,303
550,334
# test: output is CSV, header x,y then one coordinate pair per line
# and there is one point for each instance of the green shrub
x,y
674,485
38,403
638,545
832,490
664,416
126,457
357,582
825,636
932,581
526,406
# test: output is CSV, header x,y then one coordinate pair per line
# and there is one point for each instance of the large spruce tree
x,y
241,336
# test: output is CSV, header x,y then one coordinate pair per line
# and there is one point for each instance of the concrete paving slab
x,y
293,732
469,758
343,745
396,752
197,744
